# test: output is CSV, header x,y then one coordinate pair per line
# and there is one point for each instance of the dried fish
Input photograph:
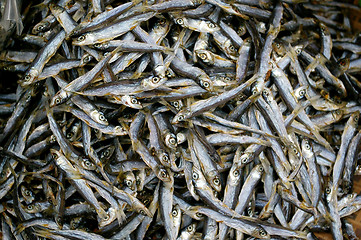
x,y
178,119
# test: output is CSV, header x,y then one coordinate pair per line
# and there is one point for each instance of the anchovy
x,y
194,119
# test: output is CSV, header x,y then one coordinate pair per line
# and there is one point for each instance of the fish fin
x,y
20,228
169,51
143,9
323,141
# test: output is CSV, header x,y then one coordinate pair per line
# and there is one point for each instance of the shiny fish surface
x,y
179,119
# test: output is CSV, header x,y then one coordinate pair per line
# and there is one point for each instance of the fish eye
x,y
87,59
155,79
54,155
211,25
69,135
180,21
327,190
356,119
98,45
298,50
266,93
195,176
81,38
30,207
174,212
216,181
254,92
190,228
307,146
134,101
245,160
128,183
236,173
232,48
87,163
106,218
205,84
302,92
262,233
202,56
172,140
163,173
162,21
106,153
180,118
102,118
165,158
260,168
249,211
142,212
175,104
27,78
227,79
278,45
57,101
40,28
27,192
199,214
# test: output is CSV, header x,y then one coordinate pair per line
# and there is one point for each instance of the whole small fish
x,y
178,119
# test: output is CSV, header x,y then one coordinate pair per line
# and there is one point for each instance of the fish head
x,y
107,219
164,158
86,58
170,140
119,131
29,77
84,39
261,233
99,117
205,82
59,98
164,174
131,101
205,56
87,164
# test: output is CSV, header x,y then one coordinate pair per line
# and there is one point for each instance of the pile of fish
x,y
180,119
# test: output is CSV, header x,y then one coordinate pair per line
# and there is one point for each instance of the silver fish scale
x,y
178,119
